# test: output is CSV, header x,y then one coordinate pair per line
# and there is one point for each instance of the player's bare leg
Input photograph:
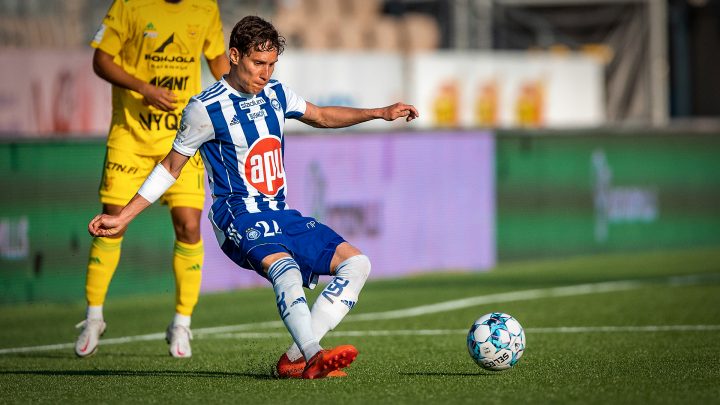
x,y
188,254
104,257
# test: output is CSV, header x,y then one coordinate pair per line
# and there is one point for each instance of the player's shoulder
x,y
275,85
195,111
281,89
212,93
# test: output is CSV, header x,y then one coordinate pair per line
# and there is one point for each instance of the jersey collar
x,y
232,90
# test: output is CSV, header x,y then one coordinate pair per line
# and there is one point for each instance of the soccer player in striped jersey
x,y
150,50
237,125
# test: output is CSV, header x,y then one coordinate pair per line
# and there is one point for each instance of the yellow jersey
x,y
160,43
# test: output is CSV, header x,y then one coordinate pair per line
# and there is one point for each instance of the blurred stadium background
x,y
552,128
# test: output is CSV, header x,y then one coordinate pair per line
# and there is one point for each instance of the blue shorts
x,y
253,236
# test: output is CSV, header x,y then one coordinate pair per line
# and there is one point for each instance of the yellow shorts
x,y
124,172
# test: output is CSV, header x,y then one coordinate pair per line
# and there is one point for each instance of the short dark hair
x,y
254,33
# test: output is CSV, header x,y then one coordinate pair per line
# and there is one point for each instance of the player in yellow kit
x,y
150,51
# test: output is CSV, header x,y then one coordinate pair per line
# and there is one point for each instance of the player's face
x,y
252,72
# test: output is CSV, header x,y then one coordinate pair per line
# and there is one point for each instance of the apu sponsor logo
x,y
264,168
171,82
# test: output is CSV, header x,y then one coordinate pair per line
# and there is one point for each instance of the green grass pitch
x,y
632,328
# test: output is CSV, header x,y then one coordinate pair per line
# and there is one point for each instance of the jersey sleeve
x,y
195,128
295,105
113,31
214,45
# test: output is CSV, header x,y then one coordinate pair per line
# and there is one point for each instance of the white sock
x,y
292,305
94,312
337,299
182,320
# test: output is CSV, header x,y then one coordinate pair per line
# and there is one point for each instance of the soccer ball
x,y
496,341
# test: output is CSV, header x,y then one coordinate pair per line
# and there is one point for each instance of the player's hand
x,y
397,110
159,97
105,225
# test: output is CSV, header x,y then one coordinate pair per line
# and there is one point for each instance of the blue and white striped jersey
x,y
240,138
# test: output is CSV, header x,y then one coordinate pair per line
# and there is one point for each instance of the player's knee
x,y
187,231
285,271
357,266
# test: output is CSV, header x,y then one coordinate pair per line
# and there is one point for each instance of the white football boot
x,y
87,343
178,337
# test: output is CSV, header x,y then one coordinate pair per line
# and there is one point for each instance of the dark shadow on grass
x,y
134,373
439,374
71,355
42,355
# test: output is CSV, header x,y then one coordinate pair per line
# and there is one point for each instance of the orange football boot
x,y
293,369
325,362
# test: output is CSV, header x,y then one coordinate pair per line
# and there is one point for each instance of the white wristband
x,y
156,183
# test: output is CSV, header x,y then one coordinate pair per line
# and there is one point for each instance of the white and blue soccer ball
x,y
496,341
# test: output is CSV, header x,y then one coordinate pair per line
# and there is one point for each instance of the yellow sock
x,y
187,265
103,260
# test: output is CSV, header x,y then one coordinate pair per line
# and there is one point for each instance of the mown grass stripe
x,y
580,289
436,332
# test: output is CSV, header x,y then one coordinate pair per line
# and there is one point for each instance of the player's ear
x,y
234,56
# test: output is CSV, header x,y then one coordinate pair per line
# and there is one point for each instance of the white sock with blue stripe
x,y
292,305
337,299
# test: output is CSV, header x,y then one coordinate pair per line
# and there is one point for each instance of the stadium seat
x,y
421,32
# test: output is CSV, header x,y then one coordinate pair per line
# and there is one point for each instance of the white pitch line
x,y
380,333
612,329
580,289
62,346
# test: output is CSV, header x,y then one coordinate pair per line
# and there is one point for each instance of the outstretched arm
x,y
339,117
161,178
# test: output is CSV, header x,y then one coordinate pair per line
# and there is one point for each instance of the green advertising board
x,y
558,194
568,193
50,193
